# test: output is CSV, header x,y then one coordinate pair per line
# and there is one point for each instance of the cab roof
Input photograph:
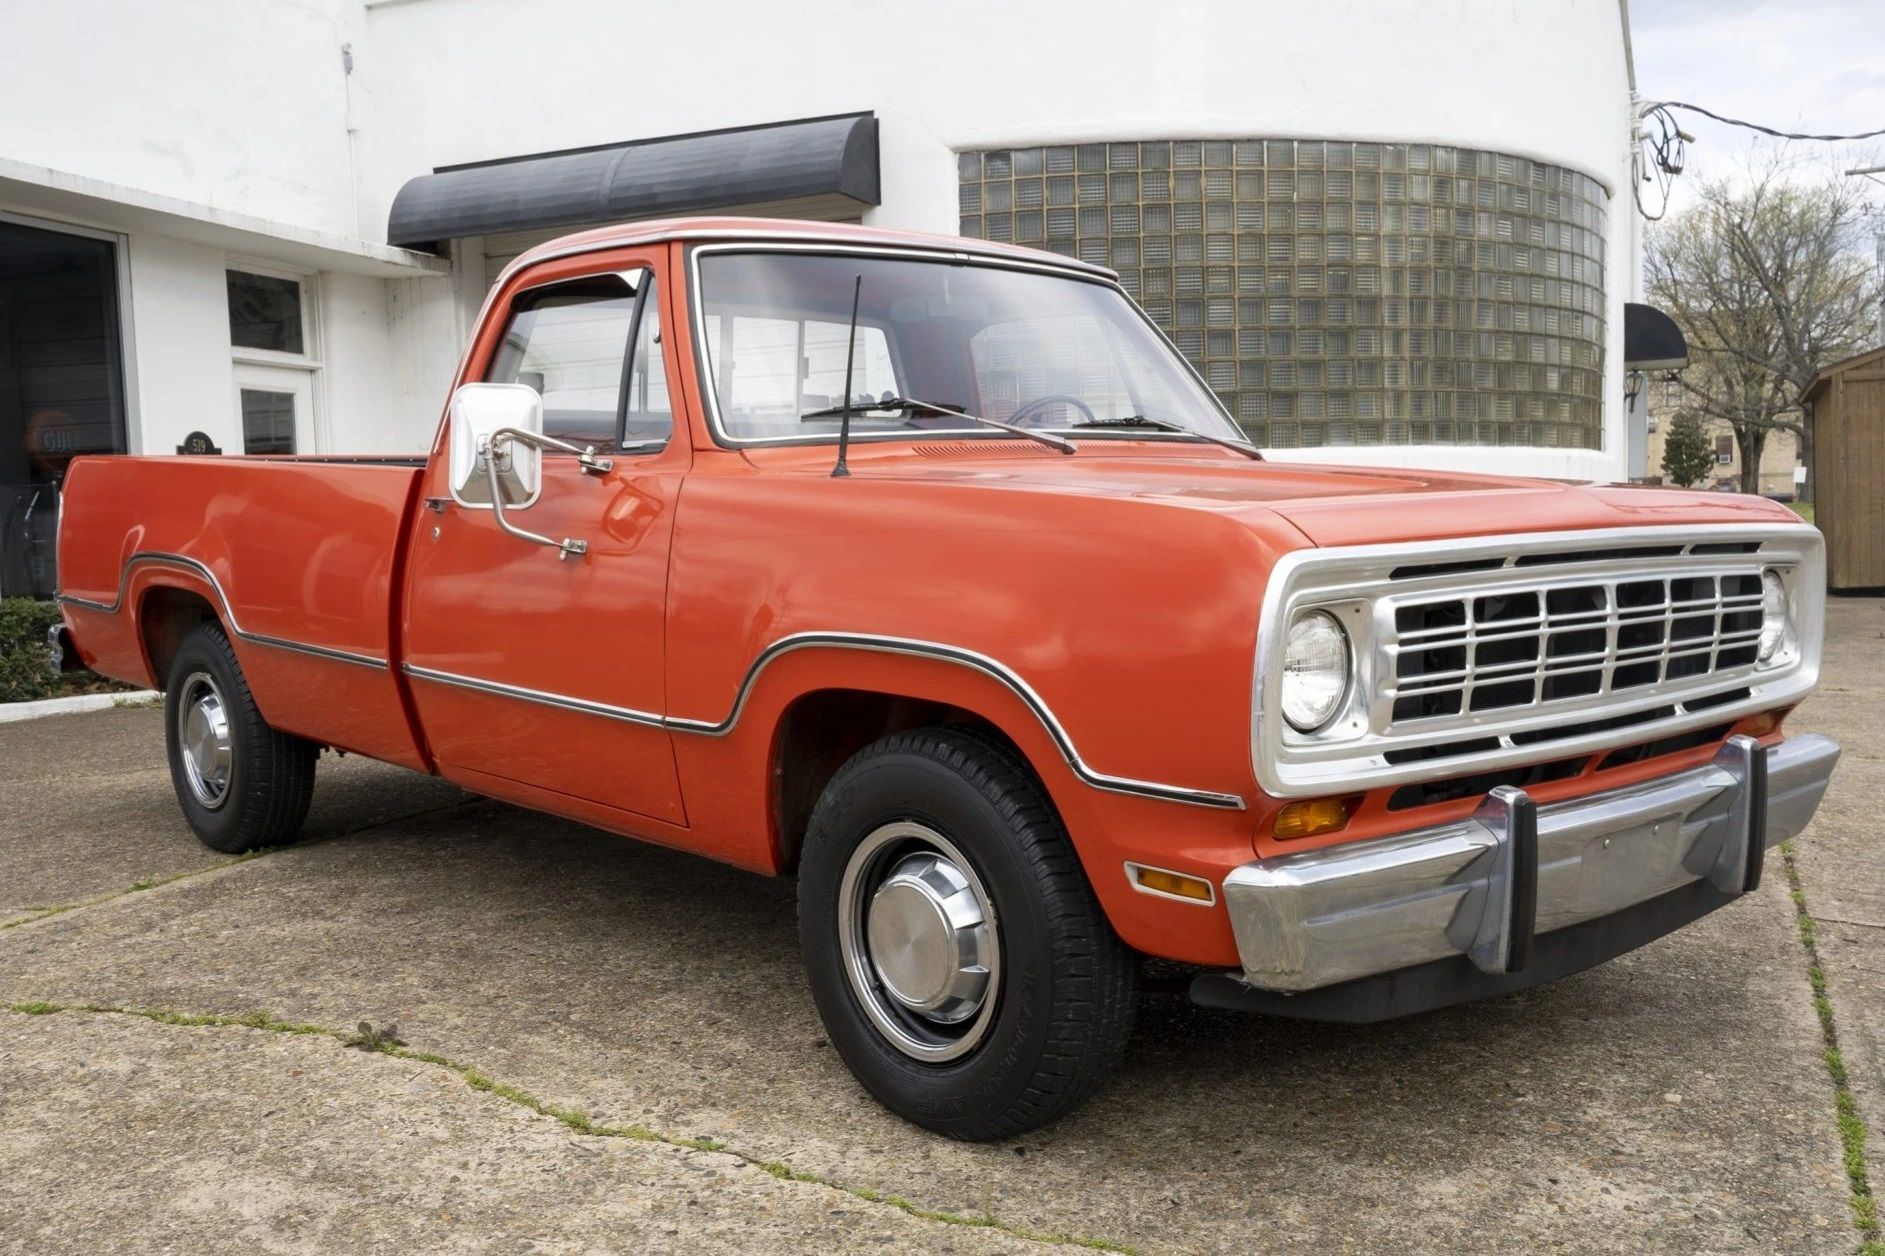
x,y
789,230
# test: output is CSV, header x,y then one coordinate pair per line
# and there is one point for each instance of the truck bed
x,y
301,556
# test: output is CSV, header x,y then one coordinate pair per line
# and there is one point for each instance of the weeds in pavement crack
x,y
366,1038
1845,1107
385,1042
37,913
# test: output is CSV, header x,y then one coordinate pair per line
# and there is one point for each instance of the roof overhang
x,y
828,162
59,195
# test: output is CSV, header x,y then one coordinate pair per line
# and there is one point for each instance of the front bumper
x,y
1481,895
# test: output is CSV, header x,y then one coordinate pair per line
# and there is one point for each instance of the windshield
x,y
1043,351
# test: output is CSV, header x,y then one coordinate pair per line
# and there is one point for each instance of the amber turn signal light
x,y
1306,819
1171,884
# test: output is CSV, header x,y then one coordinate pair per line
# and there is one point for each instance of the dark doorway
x,y
61,386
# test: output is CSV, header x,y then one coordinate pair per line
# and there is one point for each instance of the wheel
x,y
958,958
241,784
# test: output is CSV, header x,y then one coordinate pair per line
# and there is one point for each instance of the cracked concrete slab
x,y
122,825
1673,1100
1842,857
124,1135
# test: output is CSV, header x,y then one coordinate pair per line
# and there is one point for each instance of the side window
x,y
570,342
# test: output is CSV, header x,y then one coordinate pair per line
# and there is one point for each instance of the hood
x,y
1337,505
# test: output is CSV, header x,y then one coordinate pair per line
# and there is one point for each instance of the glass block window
x,y
1337,293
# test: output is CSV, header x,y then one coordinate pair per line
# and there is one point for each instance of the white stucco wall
x,y
1545,80
180,355
235,104
245,106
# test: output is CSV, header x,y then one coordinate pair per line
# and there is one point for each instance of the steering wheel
x,y
1022,412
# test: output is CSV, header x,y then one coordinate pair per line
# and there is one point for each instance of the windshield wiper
x,y
898,405
1243,447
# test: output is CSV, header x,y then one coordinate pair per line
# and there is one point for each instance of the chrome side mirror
x,y
486,472
497,445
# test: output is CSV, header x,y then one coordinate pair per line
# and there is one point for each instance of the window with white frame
x,y
272,340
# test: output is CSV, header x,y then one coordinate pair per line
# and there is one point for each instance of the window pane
x,y
268,422
777,335
871,370
567,342
771,370
649,414
1021,362
264,313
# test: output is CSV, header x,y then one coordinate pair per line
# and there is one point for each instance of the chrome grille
x,y
1485,653
1522,647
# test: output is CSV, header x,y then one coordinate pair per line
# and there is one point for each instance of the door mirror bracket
x,y
496,447
494,454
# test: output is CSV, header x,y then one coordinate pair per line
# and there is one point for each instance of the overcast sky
x,y
1796,65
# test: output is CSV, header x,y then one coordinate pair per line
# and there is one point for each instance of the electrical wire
x,y
1664,146
1660,159
1764,130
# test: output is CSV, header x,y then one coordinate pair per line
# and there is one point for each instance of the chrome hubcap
x,y
203,735
920,942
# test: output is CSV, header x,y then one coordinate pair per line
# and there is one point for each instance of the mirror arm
x,y
489,448
585,454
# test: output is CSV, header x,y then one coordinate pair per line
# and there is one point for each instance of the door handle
x,y
492,450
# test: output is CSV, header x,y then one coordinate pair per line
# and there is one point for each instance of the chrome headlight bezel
x,y
1324,711
1777,627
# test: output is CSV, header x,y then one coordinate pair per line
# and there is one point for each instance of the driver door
x,y
543,669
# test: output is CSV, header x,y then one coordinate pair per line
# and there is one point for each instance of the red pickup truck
x,y
924,570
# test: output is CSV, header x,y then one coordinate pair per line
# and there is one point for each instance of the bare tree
x,y
1769,280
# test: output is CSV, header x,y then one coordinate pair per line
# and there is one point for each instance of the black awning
x,y
1651,340
677,174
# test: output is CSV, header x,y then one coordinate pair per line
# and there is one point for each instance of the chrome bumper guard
x,y
1485,887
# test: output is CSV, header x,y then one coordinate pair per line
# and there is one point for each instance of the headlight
x,y
1315,671
1773,615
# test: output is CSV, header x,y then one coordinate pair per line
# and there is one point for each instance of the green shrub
x,y
25,662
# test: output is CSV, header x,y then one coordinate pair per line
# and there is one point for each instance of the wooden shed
x,y
1846,403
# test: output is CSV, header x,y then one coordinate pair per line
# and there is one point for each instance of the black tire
x,y
1064,1005
268,780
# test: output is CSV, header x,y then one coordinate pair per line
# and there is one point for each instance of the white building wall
x,y
180,355
391,348
246,106
240,111
1543,80
233,104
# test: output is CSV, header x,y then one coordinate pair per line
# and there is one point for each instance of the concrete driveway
x,y
608,1046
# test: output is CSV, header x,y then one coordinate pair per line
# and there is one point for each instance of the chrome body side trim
x,y
852,641
977,662
229,614
1354,752
1356,910
627,715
